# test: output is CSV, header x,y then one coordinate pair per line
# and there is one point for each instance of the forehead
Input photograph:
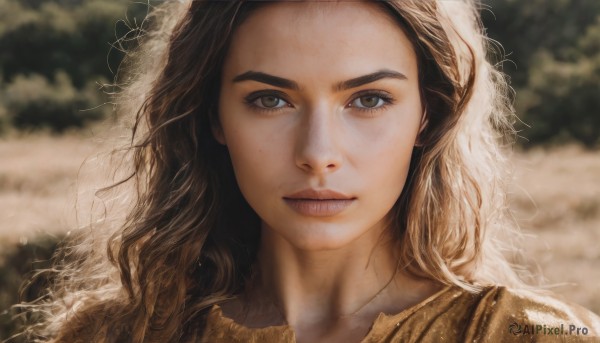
x,y
320,38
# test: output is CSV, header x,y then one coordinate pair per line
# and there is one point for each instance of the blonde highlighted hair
x,y
190,239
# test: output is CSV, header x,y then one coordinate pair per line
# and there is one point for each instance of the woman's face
x,y
320,97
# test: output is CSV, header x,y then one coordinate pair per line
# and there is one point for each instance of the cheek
x,y
385,154
388,147
388,165
256,160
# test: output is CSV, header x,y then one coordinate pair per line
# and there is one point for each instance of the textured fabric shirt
x,y
495,314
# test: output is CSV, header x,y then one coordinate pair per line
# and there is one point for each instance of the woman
x,y
311,172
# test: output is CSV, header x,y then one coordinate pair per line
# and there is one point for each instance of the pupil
x,y
269,101
369,101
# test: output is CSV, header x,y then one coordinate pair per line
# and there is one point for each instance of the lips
x,y
319,203
311,194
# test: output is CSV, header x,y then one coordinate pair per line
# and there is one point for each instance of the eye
x,y
371,100
270,101
368,101
267,100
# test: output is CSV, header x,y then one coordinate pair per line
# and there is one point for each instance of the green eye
x,y
270,101
368,101
267,100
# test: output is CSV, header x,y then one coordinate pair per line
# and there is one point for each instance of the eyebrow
x,y
363,80
344,85
268,79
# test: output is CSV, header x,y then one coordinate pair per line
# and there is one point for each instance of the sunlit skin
x,y
323,96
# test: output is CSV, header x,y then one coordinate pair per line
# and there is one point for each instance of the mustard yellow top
x,y
496,314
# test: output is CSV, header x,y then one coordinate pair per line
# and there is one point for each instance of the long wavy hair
x,y
190,239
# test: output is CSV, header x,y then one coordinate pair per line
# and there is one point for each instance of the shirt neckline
x,y
382,320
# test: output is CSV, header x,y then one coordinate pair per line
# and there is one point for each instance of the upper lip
x,y
313,194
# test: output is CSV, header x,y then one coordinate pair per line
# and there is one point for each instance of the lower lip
x,y
318,208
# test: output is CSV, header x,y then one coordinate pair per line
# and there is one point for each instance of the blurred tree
x,y
525,27
96,22
555,47
561,101
75,39
40,40
33,103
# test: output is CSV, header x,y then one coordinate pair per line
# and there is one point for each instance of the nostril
x,y
315,166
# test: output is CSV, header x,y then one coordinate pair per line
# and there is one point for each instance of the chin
x,y
321,237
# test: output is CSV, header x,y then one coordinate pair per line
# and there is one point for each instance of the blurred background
x,y
56,55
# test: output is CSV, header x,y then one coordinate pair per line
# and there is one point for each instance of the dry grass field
x,y
556,200
42,179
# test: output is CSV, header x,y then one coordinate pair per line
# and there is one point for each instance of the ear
x,y
424,122
217,130
217,133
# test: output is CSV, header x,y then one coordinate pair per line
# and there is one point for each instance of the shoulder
x,y
492,314
522,312
100,322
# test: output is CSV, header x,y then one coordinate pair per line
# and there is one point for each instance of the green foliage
x,y
4,121
33,103
61,50
561,101
555,47
52,36
17,264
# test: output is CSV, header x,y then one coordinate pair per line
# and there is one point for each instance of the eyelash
x,y
385,96
251,99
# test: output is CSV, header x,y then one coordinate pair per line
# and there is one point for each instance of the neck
x,y
315,286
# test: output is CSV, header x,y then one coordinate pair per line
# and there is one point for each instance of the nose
x,y
317,144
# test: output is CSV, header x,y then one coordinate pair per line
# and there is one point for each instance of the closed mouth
x,y
319,207
319,195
